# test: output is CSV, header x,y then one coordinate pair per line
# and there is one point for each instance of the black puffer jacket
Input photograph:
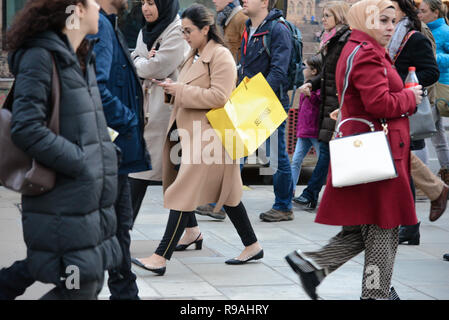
x,y
326,82
75,223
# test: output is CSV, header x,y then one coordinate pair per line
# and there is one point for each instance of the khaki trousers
x,y
424,179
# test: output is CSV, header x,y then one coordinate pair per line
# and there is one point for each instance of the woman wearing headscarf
x,y
369,213
159,53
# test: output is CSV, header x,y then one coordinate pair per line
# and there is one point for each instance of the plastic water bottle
x,y
411,80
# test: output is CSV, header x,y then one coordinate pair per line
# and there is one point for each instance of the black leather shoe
x,y
198,245
446,257
409,234
308,273
258,256
159,271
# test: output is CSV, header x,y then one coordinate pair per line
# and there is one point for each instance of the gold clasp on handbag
x,y
385,127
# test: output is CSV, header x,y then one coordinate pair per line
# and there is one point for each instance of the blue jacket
x,y
121,94
440,31
255,58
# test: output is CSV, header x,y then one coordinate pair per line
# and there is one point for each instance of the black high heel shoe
x,y
409,234
198,244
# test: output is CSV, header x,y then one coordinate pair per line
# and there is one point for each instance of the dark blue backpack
x,y
295,75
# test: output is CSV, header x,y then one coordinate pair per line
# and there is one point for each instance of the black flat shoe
x,y
159,271
198,244
309,275
258,256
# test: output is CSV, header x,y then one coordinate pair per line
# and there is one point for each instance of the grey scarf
x,y
223,15
401,30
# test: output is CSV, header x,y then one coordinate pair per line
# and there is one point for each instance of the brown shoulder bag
x,y
18,171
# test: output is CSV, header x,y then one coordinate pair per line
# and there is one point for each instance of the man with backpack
x,y
267,48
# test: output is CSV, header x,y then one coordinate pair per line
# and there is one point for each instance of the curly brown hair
x,y
38,16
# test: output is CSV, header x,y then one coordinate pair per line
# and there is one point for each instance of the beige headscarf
x,y
363,14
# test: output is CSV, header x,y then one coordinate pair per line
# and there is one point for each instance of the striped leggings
x,y
380,246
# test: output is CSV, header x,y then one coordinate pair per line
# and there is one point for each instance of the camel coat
x,y
165,64
206,84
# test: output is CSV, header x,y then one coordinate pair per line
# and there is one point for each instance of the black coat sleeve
x,y
316,82
418,52
32,99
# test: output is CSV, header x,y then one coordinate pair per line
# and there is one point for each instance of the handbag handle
x,y
369,123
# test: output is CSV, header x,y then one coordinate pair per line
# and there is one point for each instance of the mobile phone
x,y
157,46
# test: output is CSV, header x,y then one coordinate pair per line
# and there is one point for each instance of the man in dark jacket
x,y
122,98
274,66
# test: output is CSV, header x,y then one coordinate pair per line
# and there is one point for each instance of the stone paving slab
x,y
420,273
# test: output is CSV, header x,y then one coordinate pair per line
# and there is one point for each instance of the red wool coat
x,y
375,91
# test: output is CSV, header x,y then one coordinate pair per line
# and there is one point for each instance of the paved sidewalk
x,y
420,272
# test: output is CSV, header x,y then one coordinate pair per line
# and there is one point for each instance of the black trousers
x,y
15,280
122,281
178,221
138,191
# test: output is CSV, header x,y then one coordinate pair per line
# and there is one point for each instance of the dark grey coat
x,y
75,223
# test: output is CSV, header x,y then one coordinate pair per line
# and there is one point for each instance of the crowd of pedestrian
x,y
156,98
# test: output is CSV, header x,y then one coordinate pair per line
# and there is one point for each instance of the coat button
x,y
401,144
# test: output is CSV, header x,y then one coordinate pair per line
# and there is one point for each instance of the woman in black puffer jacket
x,y
71,228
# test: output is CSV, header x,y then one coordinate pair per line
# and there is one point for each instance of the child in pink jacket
x,y
308,117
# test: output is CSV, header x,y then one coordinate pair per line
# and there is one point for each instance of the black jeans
x,y
122,281
178,221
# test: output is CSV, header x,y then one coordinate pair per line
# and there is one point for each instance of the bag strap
x,y
55,98
349,64
403,43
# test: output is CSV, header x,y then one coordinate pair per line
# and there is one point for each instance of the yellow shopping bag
x,y
251,115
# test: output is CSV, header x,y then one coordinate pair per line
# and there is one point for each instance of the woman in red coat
x,y
369,213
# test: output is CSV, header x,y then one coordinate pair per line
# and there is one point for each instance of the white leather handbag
x,y
361,158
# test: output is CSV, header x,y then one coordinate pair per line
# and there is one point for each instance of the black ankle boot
x,y
409,234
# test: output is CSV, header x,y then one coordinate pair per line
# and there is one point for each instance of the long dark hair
x,y
201,17
410,11
38,16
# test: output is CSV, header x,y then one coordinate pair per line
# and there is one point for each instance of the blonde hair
x,y
339,9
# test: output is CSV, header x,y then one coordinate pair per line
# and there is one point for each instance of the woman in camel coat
x,y
198,177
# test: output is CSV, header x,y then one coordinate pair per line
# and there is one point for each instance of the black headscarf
x,y
168,9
